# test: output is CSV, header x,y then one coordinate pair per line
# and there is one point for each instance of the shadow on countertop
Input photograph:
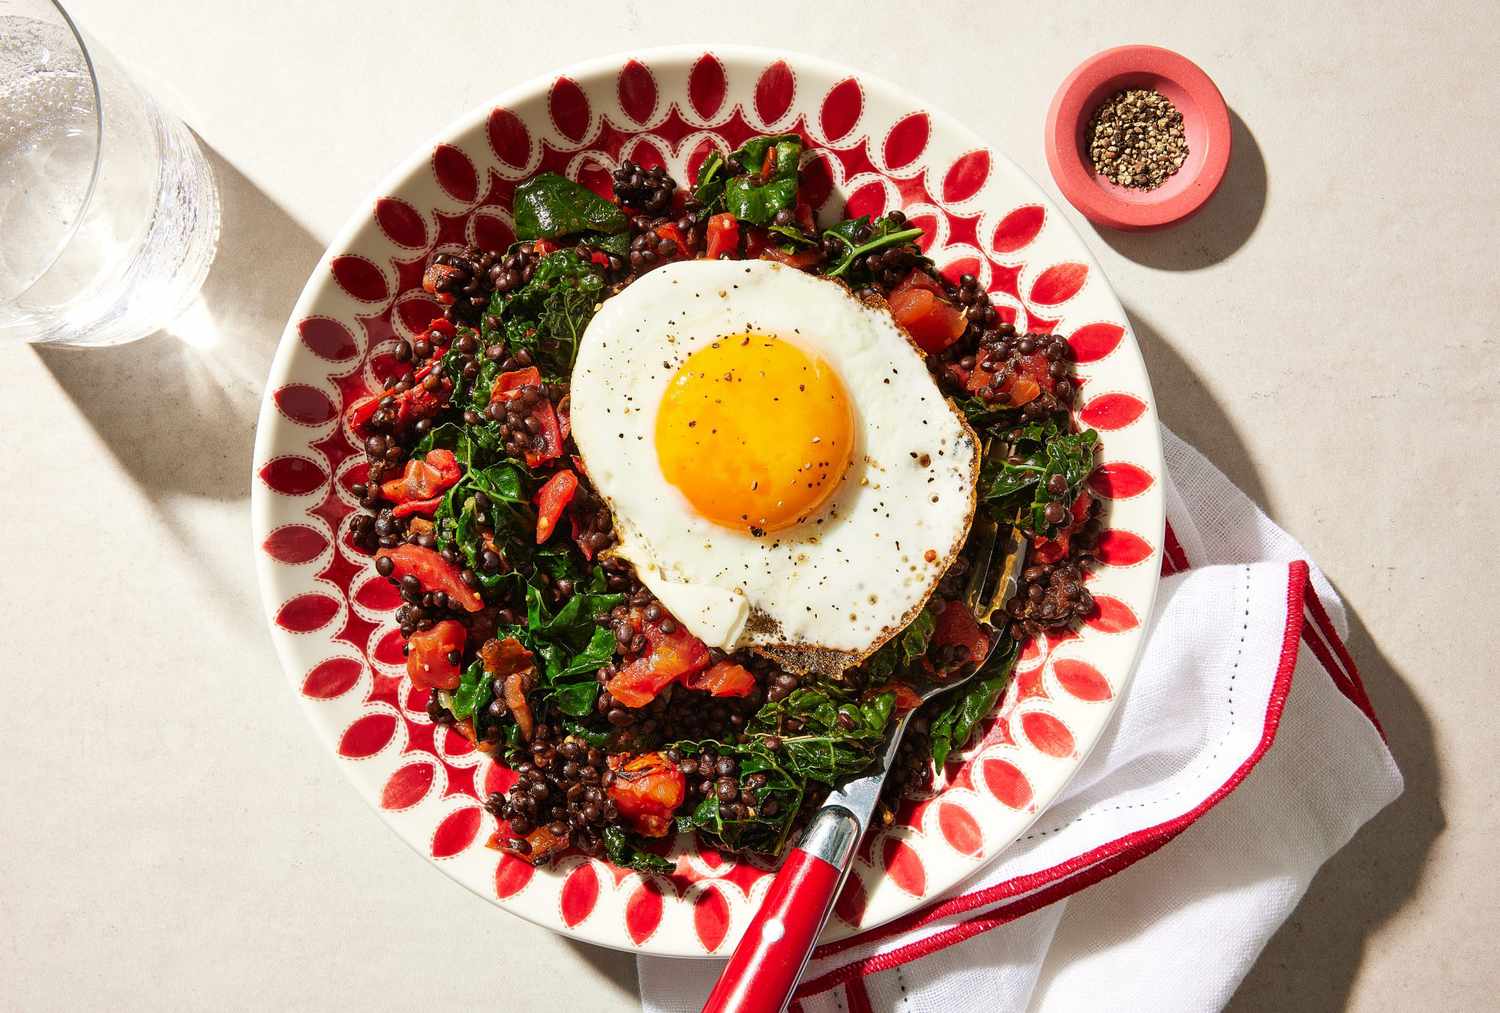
x,y
1216,231
200,380
1188,408
1310,965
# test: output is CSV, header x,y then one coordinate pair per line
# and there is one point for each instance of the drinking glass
x,y
109,217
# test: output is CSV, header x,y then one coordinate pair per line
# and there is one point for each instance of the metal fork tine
x,y
985,533
1009,580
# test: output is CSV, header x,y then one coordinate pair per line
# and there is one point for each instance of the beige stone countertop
x,y
175,837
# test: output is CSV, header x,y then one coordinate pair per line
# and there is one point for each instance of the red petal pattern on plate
x,y
1093,342
307,612
302,403
699,155
1018,228
401,222
569,108
815,181
378,595
1058,283
711,918
367,736
327,338
774,92
966,176
1111,615
499,779
491,233
637,91
388,649
841,108
509,138
907,140
1119,480
455,173
360,278
1122,548
294,544
867,200
1081,680
1006,782
598,179
579,894
707,86
418,313
850,905
332,678
407,786
643,912
646,155
960,829
1112,411
511,876
1047,733
904,866
456,832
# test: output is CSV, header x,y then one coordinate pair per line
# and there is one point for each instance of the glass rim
x,y
88,194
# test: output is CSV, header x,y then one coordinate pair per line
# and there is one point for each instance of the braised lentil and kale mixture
x,y
534,639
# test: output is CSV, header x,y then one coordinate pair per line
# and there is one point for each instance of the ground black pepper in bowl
x,y
1136,139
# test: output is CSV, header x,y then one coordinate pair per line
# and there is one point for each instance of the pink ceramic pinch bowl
x,y
1205,119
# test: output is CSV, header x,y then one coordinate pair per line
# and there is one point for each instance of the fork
x,y
766,964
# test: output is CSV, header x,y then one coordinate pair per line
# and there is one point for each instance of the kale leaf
x,y
769,182
951,727
549,313
1017,491
708,188
884,231
621,852
475,688
548,205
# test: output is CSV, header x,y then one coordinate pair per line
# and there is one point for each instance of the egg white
x,y
823,594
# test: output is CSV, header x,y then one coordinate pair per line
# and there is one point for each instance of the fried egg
x,y
783,472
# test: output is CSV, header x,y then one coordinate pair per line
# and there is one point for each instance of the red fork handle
x,y
763,971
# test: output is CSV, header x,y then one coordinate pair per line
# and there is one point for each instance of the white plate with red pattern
x,y
872,148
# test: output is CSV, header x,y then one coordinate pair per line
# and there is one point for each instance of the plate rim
x,y
476,115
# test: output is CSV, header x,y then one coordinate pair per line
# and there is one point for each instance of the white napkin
x,y
1245,750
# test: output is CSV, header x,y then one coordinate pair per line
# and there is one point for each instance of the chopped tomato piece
x,y
637,683
419,489
433,572
672,656
600,258
723,236
756,240
1046,551
508,385
647,790
928,317
906,697
542,845
509,661
551,500
805,217
550,435
724,679
429,656
801,260
545,246
957,625
671,232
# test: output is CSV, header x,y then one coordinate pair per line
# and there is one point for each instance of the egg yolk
x,y
755,432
